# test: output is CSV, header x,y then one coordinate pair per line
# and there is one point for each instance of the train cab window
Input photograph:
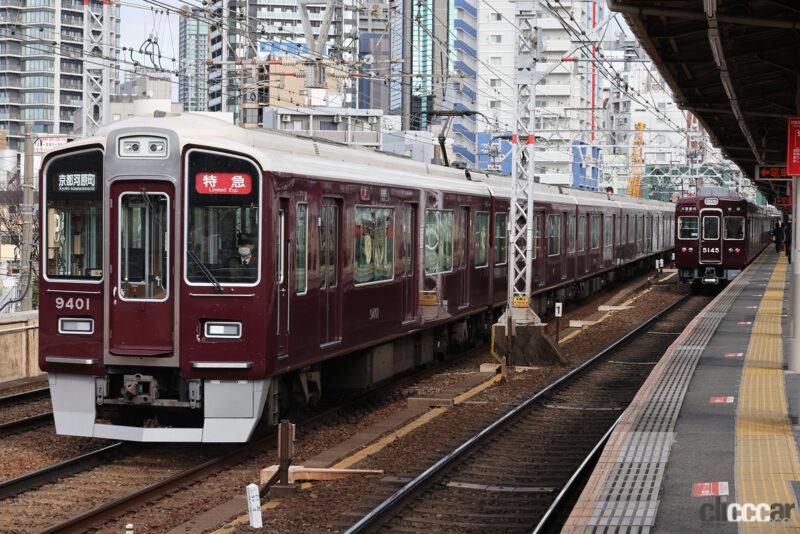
x,y
734,228
711,227
374,244
481,238
581,233
143,246
688,227
570,234
223,210
594,232
74,217
553,235
438,241
500,238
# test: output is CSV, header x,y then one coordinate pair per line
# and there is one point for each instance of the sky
x,y
136,25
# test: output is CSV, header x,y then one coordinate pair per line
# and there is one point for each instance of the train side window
x,y
438,241
279,248
500,238
481,235
608,236
594,232
553,235
734,228
631,227
688,227
301,252
374,244
74,218
582,233
570,234
407,239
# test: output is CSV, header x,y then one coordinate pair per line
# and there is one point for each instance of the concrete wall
x,y
19,344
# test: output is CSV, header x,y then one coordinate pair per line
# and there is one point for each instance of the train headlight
x,y
730,250
691,249
73,325
222,329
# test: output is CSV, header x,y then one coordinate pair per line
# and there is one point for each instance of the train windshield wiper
x,y
203,269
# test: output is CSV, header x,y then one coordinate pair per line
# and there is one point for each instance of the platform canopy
x,y
733,63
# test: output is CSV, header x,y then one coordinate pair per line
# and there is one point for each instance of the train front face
x,y
710,244
152,290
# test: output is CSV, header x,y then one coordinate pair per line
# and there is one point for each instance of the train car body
x,y
718,234
191,269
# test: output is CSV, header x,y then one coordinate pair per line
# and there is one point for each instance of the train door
x,y
141,238
710,238
329,271
463,268
282,280
408,274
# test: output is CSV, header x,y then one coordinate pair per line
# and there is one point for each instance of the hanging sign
x,y
793,147
772,173
223,183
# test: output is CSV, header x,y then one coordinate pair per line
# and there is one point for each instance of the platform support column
x,y
794,352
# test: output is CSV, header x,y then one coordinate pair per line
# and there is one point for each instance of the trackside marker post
x,y
254,506
559,308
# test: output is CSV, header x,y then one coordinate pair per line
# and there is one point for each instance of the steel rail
x,y
24,396
549,515
396,501
20,425
35,479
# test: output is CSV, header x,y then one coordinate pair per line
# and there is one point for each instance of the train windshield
x,y
222,220
74,217
688,227
734,227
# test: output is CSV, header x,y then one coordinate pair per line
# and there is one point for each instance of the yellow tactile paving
x,y
766,455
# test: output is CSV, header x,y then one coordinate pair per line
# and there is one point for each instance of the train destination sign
x,y
84,182
223,183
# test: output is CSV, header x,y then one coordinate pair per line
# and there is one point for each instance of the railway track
x,y
33,394
14,410
145,471
526,466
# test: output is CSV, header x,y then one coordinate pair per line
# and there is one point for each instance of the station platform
x,y
707,443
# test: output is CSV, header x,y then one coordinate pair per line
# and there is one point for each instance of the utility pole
x,y
522,339
25,281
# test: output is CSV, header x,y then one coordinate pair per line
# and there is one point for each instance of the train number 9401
x,y
72,303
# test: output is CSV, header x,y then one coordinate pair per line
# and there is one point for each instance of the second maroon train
x,y
719,234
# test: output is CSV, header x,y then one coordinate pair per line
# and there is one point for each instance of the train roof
x,y
283,152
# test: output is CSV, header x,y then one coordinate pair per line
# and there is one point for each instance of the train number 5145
x,y
72,303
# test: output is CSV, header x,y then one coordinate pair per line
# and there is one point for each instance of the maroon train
x,y
194,273
719,233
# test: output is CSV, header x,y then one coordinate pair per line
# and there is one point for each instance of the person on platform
x,y
787,232
778,235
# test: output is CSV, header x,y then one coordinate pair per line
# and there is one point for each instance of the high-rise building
x,y
433,67
225,46
568,100
193,71
42,45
